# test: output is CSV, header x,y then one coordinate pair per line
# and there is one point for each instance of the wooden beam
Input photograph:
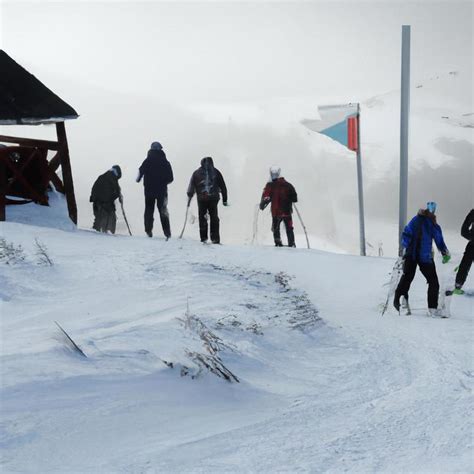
x,y
18,176
55,161
58,184
32,142
67,172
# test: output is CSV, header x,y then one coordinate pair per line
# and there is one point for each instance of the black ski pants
x,y
162,205
209,207
105,218
429,272
288,221
465,264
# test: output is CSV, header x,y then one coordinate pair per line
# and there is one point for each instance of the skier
x,y
207,182
104,192
282,195
417,241
467,231
158,174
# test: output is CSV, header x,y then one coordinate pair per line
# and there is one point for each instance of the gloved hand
x,y
121,199
446,258
264,203
225,203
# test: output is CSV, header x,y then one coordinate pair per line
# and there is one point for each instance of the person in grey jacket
x,y
104,192
208,184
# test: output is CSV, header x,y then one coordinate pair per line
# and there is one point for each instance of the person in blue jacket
x,y
417,242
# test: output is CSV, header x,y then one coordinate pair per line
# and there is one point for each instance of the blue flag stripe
x,y
337,132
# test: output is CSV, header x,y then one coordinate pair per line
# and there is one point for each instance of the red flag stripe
x,y
352,133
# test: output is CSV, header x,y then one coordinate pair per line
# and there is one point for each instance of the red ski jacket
x,y
282,195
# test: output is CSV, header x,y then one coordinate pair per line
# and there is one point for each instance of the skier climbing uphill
x,y
207,182
157,173
417,241
105,191
282,195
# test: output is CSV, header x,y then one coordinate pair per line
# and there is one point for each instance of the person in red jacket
x,y
282,195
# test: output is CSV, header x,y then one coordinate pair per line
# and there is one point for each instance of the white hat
x,y
275,172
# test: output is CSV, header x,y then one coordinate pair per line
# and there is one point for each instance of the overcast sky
x,y
219,51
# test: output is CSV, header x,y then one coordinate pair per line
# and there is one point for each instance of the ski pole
x,y
302,223
255,224
124,216
185,218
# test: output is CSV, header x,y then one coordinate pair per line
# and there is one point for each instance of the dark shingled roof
x,y
26,100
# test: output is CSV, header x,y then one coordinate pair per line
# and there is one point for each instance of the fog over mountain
x,y
241,83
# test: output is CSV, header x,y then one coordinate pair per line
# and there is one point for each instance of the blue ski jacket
x,y
418,236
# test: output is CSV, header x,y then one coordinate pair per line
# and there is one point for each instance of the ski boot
x,y
437,313
406,305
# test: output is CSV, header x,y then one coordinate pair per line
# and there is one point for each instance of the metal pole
x,y
360,188
404,122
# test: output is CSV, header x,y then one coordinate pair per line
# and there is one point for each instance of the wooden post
x,y
3,188
67,172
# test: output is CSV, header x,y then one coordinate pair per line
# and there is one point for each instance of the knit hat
x,y
431,206
275,172
156,146
117,171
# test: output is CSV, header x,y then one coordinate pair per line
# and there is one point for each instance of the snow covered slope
x,y
325,384
245,139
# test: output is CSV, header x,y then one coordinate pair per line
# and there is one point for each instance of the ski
x,y
447,285
395,276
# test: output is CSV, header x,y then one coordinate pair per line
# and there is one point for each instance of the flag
x,y
341,123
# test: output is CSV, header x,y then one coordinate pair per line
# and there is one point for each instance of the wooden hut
x,y
26,171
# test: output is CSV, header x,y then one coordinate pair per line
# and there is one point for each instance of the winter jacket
x,y
282,195
418,235
467,229
207,182
157,171
106,188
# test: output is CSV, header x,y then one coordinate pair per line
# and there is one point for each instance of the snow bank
x,y
350,391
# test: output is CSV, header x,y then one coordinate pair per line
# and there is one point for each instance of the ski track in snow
x,y
351,392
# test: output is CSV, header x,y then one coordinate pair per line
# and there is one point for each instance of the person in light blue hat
x,y
417,242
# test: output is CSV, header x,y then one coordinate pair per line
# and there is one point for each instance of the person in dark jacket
x,y
467,231
282,195
207,182
417,242
157,173
104,192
